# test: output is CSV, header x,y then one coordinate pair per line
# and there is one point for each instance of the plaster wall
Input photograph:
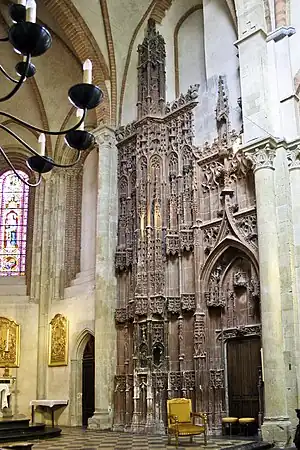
x,y
221,58
18,308
88,222
80,311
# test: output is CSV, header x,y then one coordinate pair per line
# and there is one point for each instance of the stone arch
x,y
85,46
216,254
76,376
185,16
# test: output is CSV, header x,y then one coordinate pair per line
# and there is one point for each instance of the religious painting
x,y
59,341
9,343
13,223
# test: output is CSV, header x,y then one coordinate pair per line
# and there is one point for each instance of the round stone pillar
x,y
276,426
105,293
293,156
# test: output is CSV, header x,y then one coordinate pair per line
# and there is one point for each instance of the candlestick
x,y
42,144
7,340
30,11
87,71
79,114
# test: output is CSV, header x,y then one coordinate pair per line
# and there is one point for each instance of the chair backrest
x,y
180,407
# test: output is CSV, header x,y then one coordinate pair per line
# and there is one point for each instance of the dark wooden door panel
x,y
88,382
243,363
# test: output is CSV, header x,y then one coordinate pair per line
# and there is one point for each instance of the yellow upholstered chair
x,y
181,420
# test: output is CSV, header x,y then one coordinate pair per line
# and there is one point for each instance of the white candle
x,y
42,144
7,340
21,2
79,114
87,71
30,11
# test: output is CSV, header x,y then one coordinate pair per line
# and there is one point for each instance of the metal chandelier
x,y
30,39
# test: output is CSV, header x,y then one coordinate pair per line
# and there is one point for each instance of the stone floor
x,y
76,439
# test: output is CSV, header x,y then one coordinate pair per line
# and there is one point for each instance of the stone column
x,y
293,155
106,294
257,105
276,426
44,293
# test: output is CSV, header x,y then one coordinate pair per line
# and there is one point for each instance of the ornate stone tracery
x,y
166,185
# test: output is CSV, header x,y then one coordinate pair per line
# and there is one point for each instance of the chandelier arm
x,y
40,130
34,152
16,173
19,83
7,75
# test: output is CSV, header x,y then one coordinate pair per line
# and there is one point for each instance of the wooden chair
x,y
181,420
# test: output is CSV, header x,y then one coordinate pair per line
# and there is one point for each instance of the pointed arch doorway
x,y
88,380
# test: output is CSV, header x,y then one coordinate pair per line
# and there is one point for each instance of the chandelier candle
x,y
42,144
87,71
21,2
30,11
79,114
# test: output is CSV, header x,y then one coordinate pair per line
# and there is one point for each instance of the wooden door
x,y
243,366
88,381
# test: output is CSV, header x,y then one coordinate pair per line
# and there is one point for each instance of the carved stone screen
x,y
186,259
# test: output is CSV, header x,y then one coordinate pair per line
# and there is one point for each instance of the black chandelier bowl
x,y
80,139
21,67
39,164
30,38
17,12
85,96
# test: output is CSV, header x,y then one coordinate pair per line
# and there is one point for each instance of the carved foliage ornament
x,y
59,341
190,97
293,157
261,158
243,330
247,225
188,302
216,379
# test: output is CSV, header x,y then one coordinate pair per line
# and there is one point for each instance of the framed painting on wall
x,y
9,343
58,341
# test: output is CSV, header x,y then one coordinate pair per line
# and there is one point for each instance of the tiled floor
x,y
76,439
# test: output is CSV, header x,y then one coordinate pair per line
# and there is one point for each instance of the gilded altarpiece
x,y
58,341
186,259
9,343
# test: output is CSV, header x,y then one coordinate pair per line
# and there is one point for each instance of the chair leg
x,y
176,440
191,439
169,439
205,438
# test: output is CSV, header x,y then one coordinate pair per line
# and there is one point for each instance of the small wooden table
x,y
48,404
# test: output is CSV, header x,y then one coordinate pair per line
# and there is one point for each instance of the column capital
x,y
281,33
293,157
261,157
105,136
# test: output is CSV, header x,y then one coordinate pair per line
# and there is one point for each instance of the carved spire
x,y
151,73
222,111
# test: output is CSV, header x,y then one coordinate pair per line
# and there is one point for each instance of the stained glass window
x,y
13,223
